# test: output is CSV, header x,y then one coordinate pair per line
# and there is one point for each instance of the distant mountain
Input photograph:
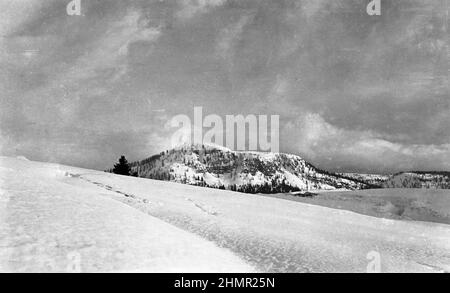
x,y
419,179
251,172
413,179
372,179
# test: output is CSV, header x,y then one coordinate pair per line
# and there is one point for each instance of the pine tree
x,y
122,168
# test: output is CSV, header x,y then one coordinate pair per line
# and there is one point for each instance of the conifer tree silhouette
x,y
122,168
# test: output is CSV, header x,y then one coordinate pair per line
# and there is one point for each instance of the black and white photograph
x,y
224,136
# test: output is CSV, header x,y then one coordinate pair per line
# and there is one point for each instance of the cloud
x,y
76,92
15,13
344,149
93,74
229,36
191,8
111,50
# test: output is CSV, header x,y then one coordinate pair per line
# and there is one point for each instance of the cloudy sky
x,y
354,92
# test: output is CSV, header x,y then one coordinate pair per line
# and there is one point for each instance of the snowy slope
x,y
251,172
52,215
47,225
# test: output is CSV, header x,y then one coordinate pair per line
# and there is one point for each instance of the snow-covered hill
x,y
430,180
417,179
373,179
61,218
251,172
